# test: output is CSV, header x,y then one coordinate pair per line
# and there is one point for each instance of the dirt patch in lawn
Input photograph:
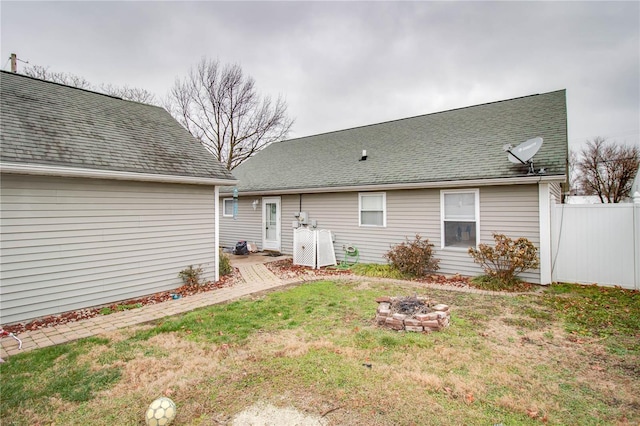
x,y
263,414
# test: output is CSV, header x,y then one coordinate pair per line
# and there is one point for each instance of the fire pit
x,y
412,313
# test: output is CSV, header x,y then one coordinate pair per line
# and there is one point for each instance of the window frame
x,y
476,194
224,207
384,209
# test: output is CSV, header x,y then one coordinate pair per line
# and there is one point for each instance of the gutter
x,y
44,170
535,179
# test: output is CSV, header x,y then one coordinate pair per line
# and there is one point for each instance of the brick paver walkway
x,y
256,277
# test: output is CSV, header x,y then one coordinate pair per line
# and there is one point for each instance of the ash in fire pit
x,y
410,305
412,313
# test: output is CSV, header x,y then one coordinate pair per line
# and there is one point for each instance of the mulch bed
x,y
285,269
453,280
80,314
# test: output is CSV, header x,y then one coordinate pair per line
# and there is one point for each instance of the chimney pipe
x,y
14,63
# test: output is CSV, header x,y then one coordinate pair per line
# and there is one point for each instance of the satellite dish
x,y
524,152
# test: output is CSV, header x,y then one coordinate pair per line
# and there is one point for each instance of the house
x,y
443,175
102,199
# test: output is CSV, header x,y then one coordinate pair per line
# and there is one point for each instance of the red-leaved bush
x,y
413,258
507,258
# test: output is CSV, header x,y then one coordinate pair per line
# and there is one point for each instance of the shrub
x,y
413,258
506,259
191,276
225,264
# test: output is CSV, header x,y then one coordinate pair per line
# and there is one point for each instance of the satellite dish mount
x,y
523,153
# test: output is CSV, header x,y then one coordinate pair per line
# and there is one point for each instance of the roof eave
x,y
47,170
522,180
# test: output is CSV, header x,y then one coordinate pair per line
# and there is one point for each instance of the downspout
x,y
216,231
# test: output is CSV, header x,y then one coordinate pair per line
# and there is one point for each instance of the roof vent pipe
x,y
364,155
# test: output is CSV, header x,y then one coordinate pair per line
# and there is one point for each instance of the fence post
x,y
544,212
636,239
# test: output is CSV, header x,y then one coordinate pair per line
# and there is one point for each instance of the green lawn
x,y
570,355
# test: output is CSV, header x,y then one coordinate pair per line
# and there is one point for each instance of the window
x,y
227,207
373,209
460,211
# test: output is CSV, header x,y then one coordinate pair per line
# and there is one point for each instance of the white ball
x,y
161,412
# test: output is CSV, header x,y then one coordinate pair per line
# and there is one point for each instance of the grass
x,y
486,282
569,355
611,314
118,308
57,371
377,271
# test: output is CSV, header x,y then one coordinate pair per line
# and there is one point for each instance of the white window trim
x,y
384,209
224,210
476,193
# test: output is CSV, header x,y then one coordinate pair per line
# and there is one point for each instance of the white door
x,y
271,223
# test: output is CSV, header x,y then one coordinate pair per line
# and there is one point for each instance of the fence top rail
x,y
597,206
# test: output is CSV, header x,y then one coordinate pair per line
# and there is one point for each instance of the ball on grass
x,y
161,412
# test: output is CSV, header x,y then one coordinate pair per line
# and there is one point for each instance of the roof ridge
x,y
419,115
461,144
76,88
53,125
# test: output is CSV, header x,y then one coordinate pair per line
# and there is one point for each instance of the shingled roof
x,y
450,146
48,124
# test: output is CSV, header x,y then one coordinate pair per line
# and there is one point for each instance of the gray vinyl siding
x,y
71,243
290,205
511,210
247,226
408,212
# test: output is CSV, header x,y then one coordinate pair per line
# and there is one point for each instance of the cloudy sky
x,y
341,65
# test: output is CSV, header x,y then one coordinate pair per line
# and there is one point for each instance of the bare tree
x,y
68,79
573,175
219,105
129,93
606,169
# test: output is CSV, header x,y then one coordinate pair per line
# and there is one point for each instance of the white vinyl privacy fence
x,y
596,244
313,248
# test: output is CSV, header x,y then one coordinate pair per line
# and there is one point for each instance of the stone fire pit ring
x,y
412,313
